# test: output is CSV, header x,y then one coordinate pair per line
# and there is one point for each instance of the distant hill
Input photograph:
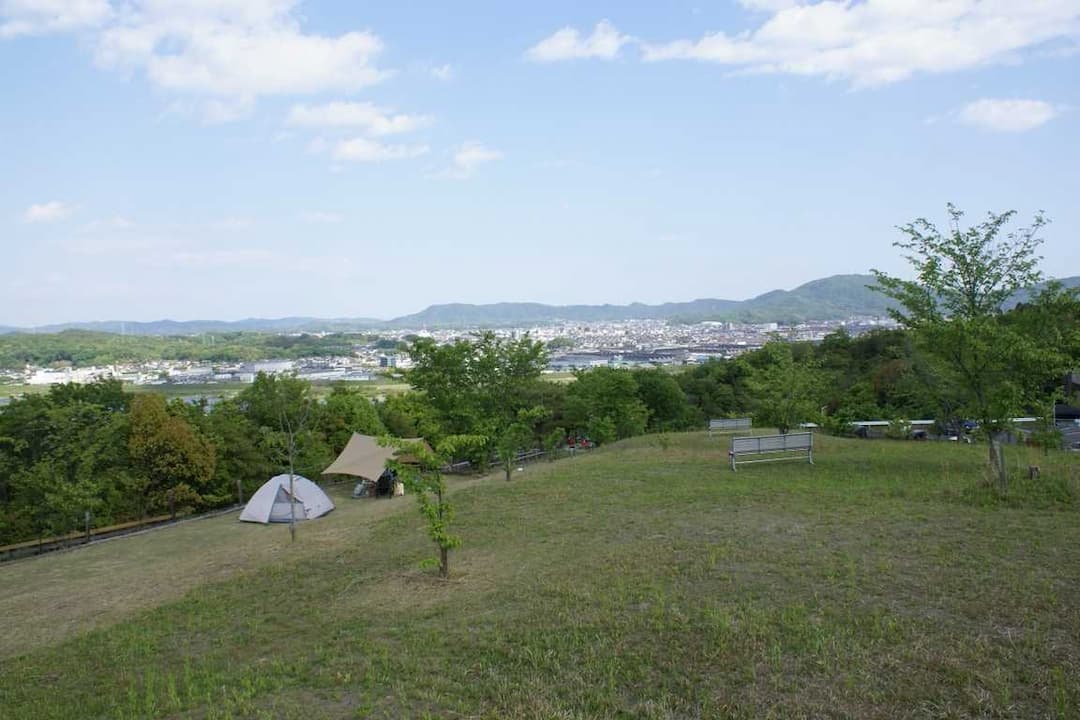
x,y
459,314
832,298
1025,295
197,327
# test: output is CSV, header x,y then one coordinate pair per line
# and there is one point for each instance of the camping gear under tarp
x,y
385,485
362,457
272,502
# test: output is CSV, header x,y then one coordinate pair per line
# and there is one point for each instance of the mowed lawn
x,y
645,580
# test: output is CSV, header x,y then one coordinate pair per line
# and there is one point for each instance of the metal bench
x,y
728,425
783,447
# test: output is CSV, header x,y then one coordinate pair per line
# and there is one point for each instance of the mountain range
x,y
831,298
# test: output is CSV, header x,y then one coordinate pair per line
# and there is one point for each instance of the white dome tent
x,y
272,503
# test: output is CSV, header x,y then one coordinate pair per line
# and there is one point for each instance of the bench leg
x,y
731,455
810,456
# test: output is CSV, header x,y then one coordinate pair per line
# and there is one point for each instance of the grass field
x,y
644,580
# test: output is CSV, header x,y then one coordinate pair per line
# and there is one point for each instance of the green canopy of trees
x,y
95,448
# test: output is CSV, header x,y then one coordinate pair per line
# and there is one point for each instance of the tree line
x,y
84,348
122,456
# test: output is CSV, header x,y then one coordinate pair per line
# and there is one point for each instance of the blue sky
x,y
235,158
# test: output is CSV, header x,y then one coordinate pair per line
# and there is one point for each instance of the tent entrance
x,y
280,511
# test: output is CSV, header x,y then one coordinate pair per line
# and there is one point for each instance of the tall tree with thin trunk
x,y
285,403
294,403
956,307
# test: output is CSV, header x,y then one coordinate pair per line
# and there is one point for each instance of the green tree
x,y
55,502
517,436
878,375
787,389
243,462
603,403
282,406
551,441
409,415
717,388
551,396
344,412
107,393
664,398
479,388
423,477
60,456
991,368
166,452
27,428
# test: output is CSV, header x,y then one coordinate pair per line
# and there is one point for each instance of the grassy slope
x,y
641,581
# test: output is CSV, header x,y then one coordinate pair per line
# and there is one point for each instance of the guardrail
x,y
463,467
81,538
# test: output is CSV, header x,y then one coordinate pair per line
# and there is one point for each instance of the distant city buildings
x,y
577,346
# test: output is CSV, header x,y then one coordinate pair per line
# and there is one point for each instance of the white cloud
x,y
567,44
226,110
363,149
39,17
113,245
769,5
559,164
213,258
467,158
322,218
367,116
116,222
234,223
877,42
47,212
225,54
1007,115
317,145
119,222
222,258
1061,52
443,72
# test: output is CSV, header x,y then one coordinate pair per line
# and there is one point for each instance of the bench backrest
x,y
772,443
730,424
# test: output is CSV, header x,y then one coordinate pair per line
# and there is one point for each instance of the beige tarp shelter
x,y
362,457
